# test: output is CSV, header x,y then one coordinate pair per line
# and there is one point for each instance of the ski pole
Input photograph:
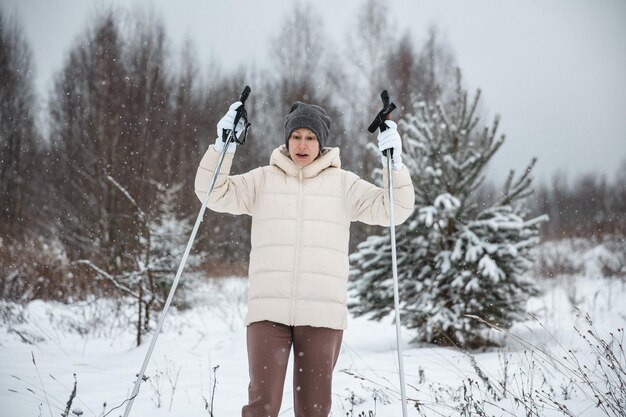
x,y
379,122
229,136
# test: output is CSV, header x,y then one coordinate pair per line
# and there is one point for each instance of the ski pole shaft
x,y
181,266
179,272
379,123
396,295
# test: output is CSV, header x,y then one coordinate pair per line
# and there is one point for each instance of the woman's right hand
x,y
225,125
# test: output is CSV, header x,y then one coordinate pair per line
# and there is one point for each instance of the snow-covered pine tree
x,y
166,244
458,258
155,256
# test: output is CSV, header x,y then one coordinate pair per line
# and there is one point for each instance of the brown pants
x,y
315,354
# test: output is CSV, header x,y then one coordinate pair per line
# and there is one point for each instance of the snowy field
x,y
96,342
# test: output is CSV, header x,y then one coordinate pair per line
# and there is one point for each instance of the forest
x,y
112,160
97,204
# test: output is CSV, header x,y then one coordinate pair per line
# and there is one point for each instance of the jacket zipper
x,y
296,261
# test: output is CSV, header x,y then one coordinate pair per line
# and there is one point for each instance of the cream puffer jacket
x,y
298,272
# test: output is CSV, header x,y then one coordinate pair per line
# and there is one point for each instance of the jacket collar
x,y
328,159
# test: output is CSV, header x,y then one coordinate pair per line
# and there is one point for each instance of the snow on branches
x,y
457,256
148,269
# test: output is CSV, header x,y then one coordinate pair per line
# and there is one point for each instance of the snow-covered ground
x,y
96,342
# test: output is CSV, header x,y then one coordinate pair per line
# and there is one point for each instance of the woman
x,y
301,205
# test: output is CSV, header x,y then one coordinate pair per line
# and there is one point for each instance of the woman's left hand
x,y
390,139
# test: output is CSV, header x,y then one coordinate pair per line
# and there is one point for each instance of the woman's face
x,y
303,146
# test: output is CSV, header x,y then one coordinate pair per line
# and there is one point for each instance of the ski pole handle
x,y
383,114
241,110
386,110
245,94
231,135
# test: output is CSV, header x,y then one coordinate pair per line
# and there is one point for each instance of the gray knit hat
x,y
310,116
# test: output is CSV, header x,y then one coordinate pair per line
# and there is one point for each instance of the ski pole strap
x,y
242,113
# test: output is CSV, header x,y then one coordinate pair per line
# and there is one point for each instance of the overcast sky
x,y
555,70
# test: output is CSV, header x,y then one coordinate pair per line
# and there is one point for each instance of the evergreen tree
x,y
162,238
458,258
165,243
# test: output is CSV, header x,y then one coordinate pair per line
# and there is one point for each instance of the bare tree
x,y
86,133
126,130
617,199
359,77
298,73
437,70
588,206
402,71
425,74
19,137
109,116
182,143
298,50
376,59
224,236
